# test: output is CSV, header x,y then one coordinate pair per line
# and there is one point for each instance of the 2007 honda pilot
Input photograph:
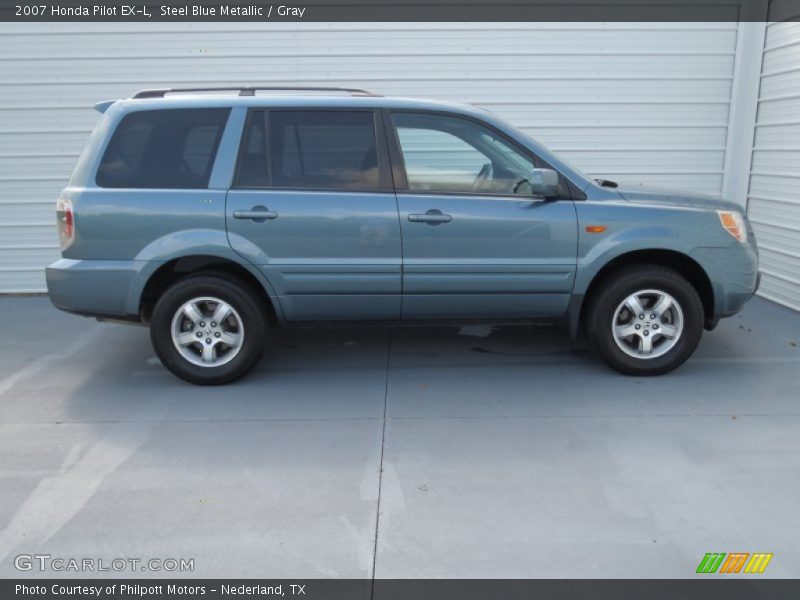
x,y
213,215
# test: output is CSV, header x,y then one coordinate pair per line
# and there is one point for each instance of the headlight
x,y
733,223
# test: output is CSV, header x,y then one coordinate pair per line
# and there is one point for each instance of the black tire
x,y
613,291
248,307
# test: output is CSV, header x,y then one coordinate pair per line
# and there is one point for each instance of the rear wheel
x,y
646,320
208,329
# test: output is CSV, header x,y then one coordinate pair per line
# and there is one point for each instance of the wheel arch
x,y
678,261
171,271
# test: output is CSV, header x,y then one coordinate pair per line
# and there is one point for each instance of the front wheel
x,y
208,329
646,320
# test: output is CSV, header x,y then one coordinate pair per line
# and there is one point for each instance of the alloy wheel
x,y
207,331
647,324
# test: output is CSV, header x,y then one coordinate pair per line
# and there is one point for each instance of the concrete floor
x,y
517,454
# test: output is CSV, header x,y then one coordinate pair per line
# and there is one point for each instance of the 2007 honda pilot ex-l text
x,y
214,215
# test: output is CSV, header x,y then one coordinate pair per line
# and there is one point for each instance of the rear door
x,y
476,242
313,207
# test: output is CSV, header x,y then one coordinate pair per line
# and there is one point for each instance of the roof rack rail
x,y
251,91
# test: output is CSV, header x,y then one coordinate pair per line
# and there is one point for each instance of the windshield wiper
x,y
607,183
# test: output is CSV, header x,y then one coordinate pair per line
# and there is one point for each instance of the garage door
x,y
630,101
774,196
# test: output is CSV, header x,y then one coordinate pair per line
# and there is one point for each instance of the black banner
x,y
397,10
703,588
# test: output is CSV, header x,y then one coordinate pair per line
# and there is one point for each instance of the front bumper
x,y
734,276
97,288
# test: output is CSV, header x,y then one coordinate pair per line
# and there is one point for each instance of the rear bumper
x,y
96,288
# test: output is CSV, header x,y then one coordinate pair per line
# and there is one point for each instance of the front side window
x,y
451,154
323,149
163,149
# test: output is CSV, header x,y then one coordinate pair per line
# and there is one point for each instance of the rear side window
x,y
323,149
163,149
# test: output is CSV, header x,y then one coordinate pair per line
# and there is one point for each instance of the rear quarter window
x,y
173,148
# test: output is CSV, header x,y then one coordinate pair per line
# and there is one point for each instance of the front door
x,y
313,208
476,243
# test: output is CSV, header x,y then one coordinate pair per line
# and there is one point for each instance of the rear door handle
x,y
257,213
432,216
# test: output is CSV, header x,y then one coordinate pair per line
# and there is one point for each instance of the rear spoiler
x,y
103,106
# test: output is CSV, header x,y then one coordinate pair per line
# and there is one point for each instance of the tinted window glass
x,y
449,154
163,149
323,149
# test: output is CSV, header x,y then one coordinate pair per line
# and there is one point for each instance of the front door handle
x,y
258,214
432,216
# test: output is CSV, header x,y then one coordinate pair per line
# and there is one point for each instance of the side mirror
x,y
544,183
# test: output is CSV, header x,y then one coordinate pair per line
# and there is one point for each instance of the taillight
x,y
66,222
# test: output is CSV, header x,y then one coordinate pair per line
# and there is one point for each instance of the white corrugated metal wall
x,y
774,198
629,101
